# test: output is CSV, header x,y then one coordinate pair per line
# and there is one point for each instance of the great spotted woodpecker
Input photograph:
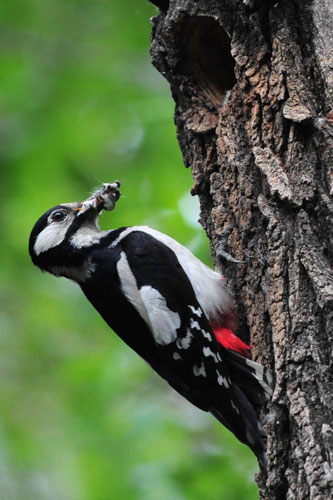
x,y
173,310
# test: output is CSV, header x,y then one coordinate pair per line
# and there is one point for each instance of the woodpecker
x,y
164,303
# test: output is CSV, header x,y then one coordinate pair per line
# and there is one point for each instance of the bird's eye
x,y
58,215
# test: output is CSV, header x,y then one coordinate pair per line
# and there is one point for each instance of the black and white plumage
x,y
162,301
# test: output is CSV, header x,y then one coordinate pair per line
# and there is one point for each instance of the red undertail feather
x,y
230,341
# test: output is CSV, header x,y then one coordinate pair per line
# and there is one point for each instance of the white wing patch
x,y
211,292
150,304
130,287
164,322
208,286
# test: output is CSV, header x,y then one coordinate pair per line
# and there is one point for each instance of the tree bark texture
x,y
252,84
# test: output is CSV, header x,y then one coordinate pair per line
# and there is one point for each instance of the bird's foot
x,y
221,254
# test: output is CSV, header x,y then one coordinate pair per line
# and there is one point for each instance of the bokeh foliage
x,y
82,417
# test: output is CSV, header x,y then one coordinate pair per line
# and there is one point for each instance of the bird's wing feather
x,y
162,294
179,342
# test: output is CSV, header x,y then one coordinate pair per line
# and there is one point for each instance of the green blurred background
x,y
81,416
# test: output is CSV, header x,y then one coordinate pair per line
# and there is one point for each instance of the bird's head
x,y
61,234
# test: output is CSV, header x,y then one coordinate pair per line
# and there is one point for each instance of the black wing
x,y
187,354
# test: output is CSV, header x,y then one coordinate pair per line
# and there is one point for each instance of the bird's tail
x,y
252,388
252,378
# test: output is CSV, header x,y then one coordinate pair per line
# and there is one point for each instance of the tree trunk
x,y
251,82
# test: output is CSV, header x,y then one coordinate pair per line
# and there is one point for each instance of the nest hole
x,y
208,60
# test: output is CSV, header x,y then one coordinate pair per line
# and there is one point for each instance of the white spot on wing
x,y
195,324
176,356
222,380
208,352
198,311
199,371
208,336
185,342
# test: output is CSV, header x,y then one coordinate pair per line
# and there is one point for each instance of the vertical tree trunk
x,y
251,82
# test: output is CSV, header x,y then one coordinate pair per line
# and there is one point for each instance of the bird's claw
x,y
221,253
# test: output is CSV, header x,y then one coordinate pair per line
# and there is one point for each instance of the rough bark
x,y
252,85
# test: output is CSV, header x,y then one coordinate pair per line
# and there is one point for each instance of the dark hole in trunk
x,y
207,57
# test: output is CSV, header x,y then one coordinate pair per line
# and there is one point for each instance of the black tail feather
x,y
246,427
252,387
254,380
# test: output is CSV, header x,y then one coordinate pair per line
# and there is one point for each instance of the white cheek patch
x,y
51,236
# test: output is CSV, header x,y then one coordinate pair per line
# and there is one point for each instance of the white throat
x,y
87,235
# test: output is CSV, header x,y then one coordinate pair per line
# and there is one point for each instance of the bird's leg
x,y
221,254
